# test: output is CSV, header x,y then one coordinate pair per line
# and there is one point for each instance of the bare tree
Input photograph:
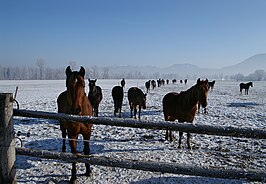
x,y
40,65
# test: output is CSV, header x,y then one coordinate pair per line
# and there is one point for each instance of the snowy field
x,y
226,106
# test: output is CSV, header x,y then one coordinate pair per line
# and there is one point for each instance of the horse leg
x,y
166,135
188,141
198,108
180,139
139,111
171,136
87,152
131,109
64,139
73,145
119,112
135,112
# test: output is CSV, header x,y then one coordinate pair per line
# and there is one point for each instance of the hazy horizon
x,y
206,33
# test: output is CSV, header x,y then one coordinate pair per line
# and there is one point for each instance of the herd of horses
x,y
176,106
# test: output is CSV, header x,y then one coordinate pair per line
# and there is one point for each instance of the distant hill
x,y
250,65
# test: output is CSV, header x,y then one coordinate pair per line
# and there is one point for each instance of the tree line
x,y
41,72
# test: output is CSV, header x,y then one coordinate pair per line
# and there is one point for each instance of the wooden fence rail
x,y
159,125
162,167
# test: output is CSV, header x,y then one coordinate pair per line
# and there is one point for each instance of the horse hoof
x,y
73,181
88,173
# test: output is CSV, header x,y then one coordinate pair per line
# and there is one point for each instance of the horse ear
x,y
198,81
82,71
68,70
95,80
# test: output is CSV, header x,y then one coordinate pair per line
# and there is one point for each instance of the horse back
x,y
117,93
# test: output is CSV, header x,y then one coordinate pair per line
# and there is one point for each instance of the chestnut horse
x,y
183,106
245,86
74,101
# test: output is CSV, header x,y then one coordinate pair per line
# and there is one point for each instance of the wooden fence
x,y
8,149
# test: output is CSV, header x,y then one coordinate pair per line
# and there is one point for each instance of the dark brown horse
x,y
136,98
153,84
118,95
95,95
183,106
211,85
148,85
245,86
123,82
74,101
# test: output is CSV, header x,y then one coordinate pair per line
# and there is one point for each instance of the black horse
x,y
95,95
118,95
245,86
211,85
148,85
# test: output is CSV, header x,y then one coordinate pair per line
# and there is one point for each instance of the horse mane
x,y
188,98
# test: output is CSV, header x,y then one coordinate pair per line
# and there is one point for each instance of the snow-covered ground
x,y
226,107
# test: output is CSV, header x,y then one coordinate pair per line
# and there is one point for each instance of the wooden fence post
x,y
7,141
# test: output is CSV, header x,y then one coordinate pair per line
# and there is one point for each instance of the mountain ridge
x,y
245,67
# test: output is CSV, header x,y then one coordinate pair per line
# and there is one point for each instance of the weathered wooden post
x,y
7,141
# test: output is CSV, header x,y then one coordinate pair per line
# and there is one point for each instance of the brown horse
x,y
136,98
183,106
74,101
245,86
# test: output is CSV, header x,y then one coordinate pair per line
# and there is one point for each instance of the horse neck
x,y
190,97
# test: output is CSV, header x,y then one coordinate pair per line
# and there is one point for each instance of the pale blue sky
x,y
207,33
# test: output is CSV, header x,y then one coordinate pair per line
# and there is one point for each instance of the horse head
x,y
75,89
92,84
202,91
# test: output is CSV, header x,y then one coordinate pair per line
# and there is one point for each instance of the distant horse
x,y
153,84
123,82
181,81
148,85
159,82
174,81
183,106
118,95
211,85
136,98
167,81
185,81
245,86
74,101
95,95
